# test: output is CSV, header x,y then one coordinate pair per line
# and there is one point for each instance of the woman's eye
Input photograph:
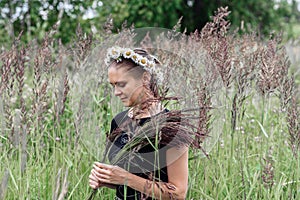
x,y
121,84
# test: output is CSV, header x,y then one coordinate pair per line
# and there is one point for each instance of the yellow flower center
x,y
143,61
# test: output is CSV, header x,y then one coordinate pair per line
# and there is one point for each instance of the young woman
x,y
150,165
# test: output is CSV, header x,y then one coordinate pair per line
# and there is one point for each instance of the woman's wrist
x,y
129,179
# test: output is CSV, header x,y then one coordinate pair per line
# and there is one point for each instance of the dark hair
x,y
137,71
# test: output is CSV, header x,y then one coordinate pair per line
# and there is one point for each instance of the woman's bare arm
x,y
176,188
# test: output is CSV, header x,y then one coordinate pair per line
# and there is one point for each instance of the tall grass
x,y
55,108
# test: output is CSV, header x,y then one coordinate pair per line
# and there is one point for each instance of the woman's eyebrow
x,y
117,82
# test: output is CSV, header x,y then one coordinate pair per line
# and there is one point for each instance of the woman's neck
x,y
139,111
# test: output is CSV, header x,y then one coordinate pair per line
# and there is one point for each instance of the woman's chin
x,y
126,103
129,103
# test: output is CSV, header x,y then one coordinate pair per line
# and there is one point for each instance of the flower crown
x,y
117,53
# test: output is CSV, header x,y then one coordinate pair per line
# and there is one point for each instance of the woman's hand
x,y
108,174
95,183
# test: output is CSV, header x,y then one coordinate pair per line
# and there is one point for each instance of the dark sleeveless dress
x,y
142,165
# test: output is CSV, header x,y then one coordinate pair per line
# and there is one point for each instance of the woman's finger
x,y
94,186
102,171
103,166
100,175
102,180
93,177
92,182
99,171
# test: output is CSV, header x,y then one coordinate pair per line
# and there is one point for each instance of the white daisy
x,y
127,53
151,64
143,61
114,52
135,58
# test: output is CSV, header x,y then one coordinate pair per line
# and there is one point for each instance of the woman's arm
x,y
176,188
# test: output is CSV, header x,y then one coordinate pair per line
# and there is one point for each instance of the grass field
x,y
253,162
53,123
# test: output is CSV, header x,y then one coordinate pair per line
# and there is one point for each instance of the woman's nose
x,y
117,91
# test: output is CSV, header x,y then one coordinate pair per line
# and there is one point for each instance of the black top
x,y
146,162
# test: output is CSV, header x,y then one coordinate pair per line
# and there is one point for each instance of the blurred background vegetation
x,y
48,123
35,18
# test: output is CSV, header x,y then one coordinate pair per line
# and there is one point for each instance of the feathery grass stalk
x,y
293,124
298,175
55,192
268,171
233,123
4,184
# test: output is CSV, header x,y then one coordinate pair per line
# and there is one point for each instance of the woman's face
x,y
129,89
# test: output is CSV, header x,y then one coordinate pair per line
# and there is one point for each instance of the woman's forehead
x,y
117,71
123,71
118,75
